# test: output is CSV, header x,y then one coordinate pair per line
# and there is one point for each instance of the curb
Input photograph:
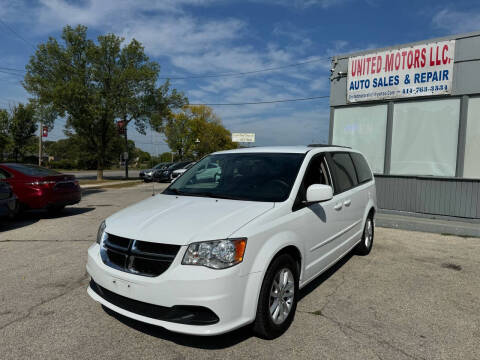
x,y
106,184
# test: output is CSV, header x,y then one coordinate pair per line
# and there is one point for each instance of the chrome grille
x,y
137,257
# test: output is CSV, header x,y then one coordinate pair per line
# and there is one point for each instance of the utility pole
x,y
126,149
40,138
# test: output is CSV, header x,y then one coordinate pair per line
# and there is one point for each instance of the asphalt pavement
x,y
416,296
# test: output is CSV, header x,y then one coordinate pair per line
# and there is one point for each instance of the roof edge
x,y
443,38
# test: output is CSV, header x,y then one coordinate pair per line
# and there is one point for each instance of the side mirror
x,y
319,192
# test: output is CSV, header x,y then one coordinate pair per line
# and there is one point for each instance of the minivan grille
x,y
137,257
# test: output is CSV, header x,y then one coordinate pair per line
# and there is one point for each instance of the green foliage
x,y
93,83
163,105
4,135
45,115
18,128
195,132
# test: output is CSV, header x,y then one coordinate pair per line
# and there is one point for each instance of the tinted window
x,y
316,173
344,171
32,170
363,170
4,175
242,176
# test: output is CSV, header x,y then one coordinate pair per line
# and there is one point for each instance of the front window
x,y
241,176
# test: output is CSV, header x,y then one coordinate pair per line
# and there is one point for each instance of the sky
x,y
192,38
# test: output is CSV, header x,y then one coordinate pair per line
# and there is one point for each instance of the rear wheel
x,y
365,246
278,298
17,210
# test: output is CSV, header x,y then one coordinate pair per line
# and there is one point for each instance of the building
x,y
414,111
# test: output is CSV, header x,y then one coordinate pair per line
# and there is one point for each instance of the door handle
x,y
338,206
347,202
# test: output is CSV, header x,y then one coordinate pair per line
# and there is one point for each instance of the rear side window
x,y
344,170
32,170
4,175
363,170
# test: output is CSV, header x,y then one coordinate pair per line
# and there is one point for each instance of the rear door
x,y
349,201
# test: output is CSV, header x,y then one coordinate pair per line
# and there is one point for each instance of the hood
x,y
181,220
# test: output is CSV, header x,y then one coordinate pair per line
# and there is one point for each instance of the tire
x,y
365,245
265,325
19,208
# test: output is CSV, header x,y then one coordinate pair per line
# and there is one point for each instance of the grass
x,y
122,185
89,182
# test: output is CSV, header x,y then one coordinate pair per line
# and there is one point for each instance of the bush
x,y
63,164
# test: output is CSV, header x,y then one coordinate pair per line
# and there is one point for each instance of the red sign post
x,y
45,131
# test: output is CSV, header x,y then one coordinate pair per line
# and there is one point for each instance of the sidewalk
x,y
109,183
424,224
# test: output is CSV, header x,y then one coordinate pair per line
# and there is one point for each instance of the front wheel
x,y
278,298
365,245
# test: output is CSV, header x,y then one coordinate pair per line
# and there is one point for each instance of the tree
x,y
196,131
4,136
93,83
21,128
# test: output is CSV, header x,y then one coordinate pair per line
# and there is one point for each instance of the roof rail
x,y
328,145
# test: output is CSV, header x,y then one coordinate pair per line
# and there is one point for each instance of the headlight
x,y
217,254
101,234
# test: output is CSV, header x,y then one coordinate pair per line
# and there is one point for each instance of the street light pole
x,y
40,141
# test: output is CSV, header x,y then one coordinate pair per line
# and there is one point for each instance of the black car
x,y
8,200
166,174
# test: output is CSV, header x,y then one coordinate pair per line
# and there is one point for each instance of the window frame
x,y
6,173
332,166
356,170
299,203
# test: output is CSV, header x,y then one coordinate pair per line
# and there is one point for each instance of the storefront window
x,y
471,167
363,128
424,138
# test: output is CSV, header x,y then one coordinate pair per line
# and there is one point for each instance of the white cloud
x,y
188,44
457,21
304,3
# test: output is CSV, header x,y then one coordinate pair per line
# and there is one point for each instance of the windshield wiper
x,y
175,191
217,196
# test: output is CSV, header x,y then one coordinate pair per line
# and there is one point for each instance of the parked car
x,y
165,175
8,200
209,172
205,258
40,188
147,175
178,172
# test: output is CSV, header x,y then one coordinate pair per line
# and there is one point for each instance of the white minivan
x,y
212,254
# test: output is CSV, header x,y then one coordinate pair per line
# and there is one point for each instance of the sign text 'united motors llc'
x,y
422,70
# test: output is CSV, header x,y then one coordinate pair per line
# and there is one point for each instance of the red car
x,y
40,188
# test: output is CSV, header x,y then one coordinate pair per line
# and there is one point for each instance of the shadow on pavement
x,y
220,341
325,276
199,342
32,216
86,192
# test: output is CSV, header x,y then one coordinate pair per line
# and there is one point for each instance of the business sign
x,y
243,137
45,131
422,70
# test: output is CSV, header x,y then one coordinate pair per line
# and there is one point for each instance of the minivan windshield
x,y
241,176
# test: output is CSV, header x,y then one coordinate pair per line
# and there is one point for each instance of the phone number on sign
x,y
425,89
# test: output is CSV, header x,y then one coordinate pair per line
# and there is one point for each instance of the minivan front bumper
x,y
186,299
